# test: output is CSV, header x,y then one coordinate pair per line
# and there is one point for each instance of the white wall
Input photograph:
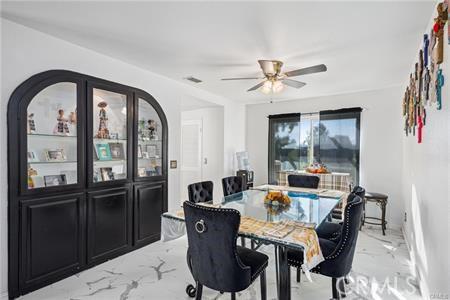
x,y
426,186
381,141
26,52
212,146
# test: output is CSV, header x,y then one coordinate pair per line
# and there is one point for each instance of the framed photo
x,y
32,157
117,150
97,177
103,152
54,180
141,172
107,174
114,135
71,176
152,150
55,155
139,151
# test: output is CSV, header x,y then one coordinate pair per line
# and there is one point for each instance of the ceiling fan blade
x,y
305,71
256,87
293,83
242,78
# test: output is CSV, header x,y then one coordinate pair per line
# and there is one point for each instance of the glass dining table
x,y
308,207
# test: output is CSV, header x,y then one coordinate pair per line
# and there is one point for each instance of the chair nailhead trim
x,y
223,210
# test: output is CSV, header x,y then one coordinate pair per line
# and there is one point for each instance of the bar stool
x,y
380,200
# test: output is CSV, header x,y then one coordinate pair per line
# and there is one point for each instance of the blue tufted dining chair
x,y
214,258
201,191
338,254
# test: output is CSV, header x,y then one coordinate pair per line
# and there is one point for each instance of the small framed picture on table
x,y
117,151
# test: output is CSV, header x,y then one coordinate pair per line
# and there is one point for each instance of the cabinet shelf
x,y
52,162
51,135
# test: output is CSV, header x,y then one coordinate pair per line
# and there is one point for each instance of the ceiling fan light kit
x,y
276,80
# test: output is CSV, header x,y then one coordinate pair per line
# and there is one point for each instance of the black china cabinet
x,y
87,167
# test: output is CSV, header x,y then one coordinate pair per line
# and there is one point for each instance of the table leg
x,y
284,274
277,277
383,216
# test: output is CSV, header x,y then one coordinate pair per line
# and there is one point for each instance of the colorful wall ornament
x,y
425,83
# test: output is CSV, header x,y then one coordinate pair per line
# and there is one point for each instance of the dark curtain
x,y
284,151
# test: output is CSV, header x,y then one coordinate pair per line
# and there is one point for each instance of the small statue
x,y
62,126
152,127
73,117
31,172
103,132
31,128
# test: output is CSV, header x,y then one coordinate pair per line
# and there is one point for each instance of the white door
x,y
191,154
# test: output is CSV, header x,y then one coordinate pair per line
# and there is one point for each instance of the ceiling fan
x,y
275,80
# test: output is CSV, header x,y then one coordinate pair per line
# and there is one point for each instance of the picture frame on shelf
x,y
117,151
103,151
37,181
107,174
114,135
55,180
71,176
142,172
97,177
55,155
32,156
139,151
152,150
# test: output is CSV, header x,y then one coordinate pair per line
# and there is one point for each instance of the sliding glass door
x,y
329,137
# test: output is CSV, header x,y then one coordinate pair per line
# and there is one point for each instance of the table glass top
x,y
304,207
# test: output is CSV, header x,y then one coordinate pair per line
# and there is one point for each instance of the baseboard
x,y
4,296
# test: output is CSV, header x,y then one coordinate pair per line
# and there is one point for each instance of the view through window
x,y
329,137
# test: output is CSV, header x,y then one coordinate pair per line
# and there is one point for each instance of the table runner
x,y
285,232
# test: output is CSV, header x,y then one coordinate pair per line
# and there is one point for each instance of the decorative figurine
x,y
62,126
31,128
152,127
439,84
31,172
73,117
103,132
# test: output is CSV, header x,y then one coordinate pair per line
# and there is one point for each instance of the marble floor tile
x,y
381,270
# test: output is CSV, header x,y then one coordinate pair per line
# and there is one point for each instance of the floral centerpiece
x,y
276,202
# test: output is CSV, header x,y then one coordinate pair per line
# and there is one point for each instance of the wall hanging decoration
x,y
425,83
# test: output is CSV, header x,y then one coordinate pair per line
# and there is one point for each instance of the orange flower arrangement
x,y
277,196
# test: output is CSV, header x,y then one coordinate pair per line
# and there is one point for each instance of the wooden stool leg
x,y
383,216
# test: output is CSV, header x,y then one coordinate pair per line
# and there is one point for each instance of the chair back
x,y
201,191
232,185
359,191
339,262
304,181
212,255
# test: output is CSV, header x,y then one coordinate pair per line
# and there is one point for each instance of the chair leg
x,y
334,290
299,274
252,244
233,296
199,291
242,241
383,217
262,279
342,288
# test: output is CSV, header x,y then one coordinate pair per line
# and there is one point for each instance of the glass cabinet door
x,y
149,140
52,137
109,135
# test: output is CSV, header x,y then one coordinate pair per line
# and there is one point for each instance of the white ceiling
x,y
366,45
